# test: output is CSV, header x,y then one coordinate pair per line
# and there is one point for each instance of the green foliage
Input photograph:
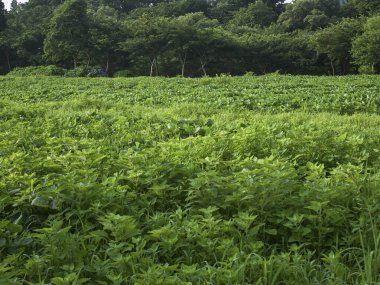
x,y
257,13
27,25
192,36
81,71
336,42
172,8
104,34
188,37
366,69
310,14
365,7
226,180
147,39
3,21
67,38
365,49
123,73
50,70
272,52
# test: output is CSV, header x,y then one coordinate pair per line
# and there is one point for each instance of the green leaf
x,y
271,232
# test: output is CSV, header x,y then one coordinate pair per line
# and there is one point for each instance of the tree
x,y
181,38
14,5
171,9
126,6
276,5
4,37
255,14
365,48
67,39
286,52
310,14
213,44
336,41
104,35
316,19
193,37
27,27
223,10
121,5
148,39
202,40
3,14
365,7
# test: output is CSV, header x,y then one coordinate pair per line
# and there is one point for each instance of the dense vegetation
x,y
193,37
226,180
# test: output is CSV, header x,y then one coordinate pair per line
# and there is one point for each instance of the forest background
x,y
191,37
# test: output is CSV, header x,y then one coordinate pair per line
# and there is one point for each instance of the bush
x,y
50,70
123,73
249,74
80,71
366,69
86,71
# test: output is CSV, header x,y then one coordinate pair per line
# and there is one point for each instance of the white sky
x,y
8,2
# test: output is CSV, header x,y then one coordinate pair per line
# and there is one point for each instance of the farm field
x,y
226,180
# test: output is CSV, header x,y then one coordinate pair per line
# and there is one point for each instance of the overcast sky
x,y
8,2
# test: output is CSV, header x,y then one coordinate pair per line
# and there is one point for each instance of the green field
x,y
226,180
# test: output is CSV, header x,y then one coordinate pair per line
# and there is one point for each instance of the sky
x,y
8,2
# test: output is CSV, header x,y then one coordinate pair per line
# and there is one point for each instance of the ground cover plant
x,y
226,180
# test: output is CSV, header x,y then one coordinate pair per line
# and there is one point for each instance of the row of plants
x,y
52,70
98,189
269,94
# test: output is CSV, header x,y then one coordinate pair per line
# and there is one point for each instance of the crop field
x,y
226,180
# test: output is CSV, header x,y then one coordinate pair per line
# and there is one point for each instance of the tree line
x,y
193,37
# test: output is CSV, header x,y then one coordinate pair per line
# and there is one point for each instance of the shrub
x,y
50,70
123,73
366,69
82,71
249,74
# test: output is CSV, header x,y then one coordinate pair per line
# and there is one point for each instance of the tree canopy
x,y
193,37
2,16
67,38
366,51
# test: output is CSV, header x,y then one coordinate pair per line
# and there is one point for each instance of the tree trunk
x,y
332,67
183,65
183,70
75,63
373,68
151,67
108,63
203,66
8,60
156,65
344,68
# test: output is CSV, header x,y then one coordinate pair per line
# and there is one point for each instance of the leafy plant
x,y
179,181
